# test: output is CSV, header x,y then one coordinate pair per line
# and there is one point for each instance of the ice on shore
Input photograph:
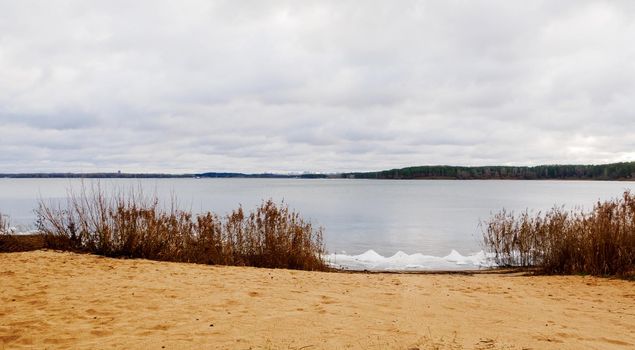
x,y
22,230
400,261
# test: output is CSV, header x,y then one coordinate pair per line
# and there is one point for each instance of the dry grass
x,y
4,224
135,226
9,242
600,242
4,232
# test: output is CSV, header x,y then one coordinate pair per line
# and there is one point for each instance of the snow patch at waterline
x,y
400,261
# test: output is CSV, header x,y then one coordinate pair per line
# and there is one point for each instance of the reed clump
x,y
10,242
135,226
5,233
4,224
600,242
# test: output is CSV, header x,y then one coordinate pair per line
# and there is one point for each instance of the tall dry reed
x,y
599,242
135,226
4,224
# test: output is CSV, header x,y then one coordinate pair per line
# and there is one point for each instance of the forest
x,y
614,171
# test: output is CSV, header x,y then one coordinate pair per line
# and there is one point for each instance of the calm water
x,y
430,217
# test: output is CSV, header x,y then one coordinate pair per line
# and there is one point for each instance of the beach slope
x,y
64,300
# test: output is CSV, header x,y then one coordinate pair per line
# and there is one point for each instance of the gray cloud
x,y
313,86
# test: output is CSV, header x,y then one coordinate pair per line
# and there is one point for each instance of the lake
x,y
429,218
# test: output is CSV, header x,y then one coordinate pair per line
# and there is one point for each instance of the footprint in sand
x,y
326,300
100,332
160,327
6,339
485,343
548,339
37,302
230,302
92,312
615,342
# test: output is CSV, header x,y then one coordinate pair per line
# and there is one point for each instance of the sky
x,y
313,86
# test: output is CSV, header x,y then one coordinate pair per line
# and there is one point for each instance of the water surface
x,y
431,217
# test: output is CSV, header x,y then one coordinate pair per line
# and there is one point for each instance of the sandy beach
x,y
53,300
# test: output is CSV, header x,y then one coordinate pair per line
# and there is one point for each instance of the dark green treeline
x,y
615,171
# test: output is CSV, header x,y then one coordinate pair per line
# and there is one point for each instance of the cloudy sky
x,y
255,86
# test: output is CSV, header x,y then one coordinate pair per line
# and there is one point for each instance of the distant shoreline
x,y
158,176
247,176
624,171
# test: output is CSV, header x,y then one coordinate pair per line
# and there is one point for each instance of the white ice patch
x,y
401,261
22,230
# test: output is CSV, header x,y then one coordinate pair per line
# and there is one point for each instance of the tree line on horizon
x,y
614,171
156,175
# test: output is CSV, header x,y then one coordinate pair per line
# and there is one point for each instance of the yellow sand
x,y
63,300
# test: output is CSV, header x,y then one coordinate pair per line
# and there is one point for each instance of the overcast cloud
x,y
255,86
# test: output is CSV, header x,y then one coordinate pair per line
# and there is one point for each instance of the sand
x,y
51,300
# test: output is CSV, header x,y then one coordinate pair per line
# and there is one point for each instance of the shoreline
x,y
61,300
32,241
323,179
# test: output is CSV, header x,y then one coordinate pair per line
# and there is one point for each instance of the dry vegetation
x,y
139,227
600,242
6,241
4,225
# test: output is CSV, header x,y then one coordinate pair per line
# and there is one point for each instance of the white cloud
x,y
317,86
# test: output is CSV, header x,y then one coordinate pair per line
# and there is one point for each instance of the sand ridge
x,y
64,300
